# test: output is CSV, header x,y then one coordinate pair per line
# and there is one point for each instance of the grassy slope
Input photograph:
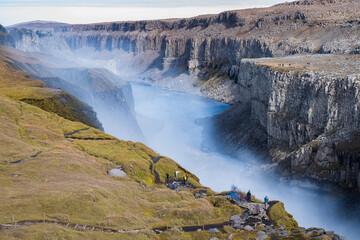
x,y
63,175
68,180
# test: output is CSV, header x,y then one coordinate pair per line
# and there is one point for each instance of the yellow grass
x,y
67,181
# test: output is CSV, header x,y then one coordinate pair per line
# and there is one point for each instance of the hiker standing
x,y
248,196
186,179
266,200
167,176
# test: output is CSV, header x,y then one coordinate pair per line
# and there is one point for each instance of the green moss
x,y
209,192
280,217
224,206
67,107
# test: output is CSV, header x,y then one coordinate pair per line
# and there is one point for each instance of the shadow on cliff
x,y
234,130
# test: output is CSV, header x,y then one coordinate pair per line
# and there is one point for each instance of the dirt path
x,y
72,133
83,227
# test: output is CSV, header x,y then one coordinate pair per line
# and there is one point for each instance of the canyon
x,y
287,78
288,70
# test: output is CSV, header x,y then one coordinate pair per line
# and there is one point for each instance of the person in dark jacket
x,y
167,176
248,196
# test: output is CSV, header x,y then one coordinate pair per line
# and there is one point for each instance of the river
x,y
168,122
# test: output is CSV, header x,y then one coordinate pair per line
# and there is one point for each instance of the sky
x,y
91,11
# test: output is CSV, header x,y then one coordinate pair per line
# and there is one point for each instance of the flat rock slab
x,y
117,173
248,228
261,237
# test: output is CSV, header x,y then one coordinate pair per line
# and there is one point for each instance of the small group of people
x,y
185,177
175,175
266,199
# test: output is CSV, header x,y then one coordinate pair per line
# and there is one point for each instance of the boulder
x,y
117,173
213,230
248,228
236,219
261,237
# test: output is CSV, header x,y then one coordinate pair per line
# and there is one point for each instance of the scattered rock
x,y
236,219
117,173
213,230
248,228
260,227
237,225
261,237
284,233
200,195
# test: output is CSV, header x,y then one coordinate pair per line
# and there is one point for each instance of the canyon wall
x,y
210,40
307,121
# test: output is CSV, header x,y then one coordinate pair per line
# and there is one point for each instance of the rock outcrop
x,y
304,116
5,38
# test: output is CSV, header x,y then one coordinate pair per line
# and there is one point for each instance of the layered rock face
x,y
290,28
307,120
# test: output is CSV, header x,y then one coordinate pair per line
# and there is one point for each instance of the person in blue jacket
x,y
266,200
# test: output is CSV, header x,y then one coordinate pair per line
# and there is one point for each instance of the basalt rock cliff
x,y
289,28
305,118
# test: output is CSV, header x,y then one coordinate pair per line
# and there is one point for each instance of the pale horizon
x,y
86,12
